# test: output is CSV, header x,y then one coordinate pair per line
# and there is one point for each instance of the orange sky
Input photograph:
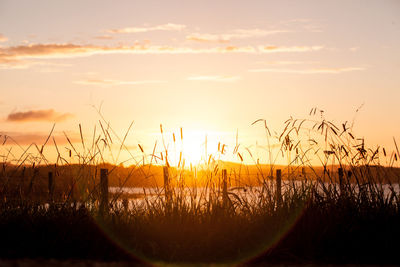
x,y
211,68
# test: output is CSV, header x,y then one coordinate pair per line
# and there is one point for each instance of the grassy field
x,y
316,215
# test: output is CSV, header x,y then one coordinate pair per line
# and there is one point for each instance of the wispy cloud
x,y
304,24
214,78
24,64
3,38
6,63
235,34
17,56
38,115
310,71
205,38
288,62
104,37
14,55
106,82
72,50
279,49
162,27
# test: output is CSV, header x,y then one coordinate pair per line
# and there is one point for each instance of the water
x,y
141,197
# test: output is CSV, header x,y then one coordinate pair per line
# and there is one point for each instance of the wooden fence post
x,y
21,186
279,186
103,190
341,180
51,186
72,184
224,188
125,204
166,185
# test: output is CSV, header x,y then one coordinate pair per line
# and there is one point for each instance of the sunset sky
x,y
211,67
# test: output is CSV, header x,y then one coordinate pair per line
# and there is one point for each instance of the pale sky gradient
x,y
207,66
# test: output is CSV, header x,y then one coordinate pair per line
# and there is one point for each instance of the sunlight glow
x,y
192,147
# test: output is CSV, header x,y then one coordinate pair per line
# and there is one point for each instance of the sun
x,y
189,148
193,146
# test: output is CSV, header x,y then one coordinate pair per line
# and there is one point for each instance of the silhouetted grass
x,y
319,217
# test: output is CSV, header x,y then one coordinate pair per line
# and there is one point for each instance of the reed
x,y
345,210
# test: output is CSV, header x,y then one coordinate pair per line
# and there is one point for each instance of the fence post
x,y
51,186
341,180
72,184
224,188
279,186
103,190
125,204
303,172
21,186
349,174
166,185
35,173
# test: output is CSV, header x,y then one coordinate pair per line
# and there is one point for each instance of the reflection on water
x,y
140,198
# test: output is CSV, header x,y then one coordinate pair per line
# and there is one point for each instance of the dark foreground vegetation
x,y
325,215
303,228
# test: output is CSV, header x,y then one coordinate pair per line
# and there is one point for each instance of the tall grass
x,y
318,218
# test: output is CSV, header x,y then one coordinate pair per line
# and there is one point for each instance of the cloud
x,y
215,78
286,62
116,82
279,49
227,37
24,64
38,115
305,24
6,63
163,27
104,37
311,71
16,56
3,38
24,138
204,37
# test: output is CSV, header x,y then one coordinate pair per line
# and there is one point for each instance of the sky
x,y
210,67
